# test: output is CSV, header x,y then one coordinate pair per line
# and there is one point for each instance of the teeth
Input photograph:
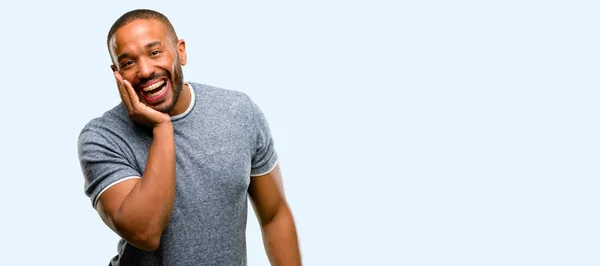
x,y
154,86
156,93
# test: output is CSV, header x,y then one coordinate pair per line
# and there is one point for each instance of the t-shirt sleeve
x,y
103,163
264,158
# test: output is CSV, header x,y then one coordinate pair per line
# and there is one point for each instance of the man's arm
x,y
275,218
139,209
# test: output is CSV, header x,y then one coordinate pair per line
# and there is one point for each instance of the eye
x,y
127,63
155,53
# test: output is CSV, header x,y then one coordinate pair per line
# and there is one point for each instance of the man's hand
x,y
139,209
137,110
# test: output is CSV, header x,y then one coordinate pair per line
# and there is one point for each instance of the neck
x,y
183,101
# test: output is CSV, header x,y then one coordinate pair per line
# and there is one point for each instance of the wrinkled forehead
x,y
138,33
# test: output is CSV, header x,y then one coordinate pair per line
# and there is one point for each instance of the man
x,y
171,167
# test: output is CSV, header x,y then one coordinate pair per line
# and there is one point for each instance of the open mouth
x,y
155,91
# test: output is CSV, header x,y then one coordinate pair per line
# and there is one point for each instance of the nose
x,y
145,68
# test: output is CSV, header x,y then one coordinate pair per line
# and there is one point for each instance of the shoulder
x,y
221,97
216,93
113,122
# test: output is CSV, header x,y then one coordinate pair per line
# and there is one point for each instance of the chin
x,y
163,107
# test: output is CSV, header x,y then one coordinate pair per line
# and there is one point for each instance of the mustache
x,y
141,81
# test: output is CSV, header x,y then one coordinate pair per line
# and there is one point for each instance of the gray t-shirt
x,y
221,141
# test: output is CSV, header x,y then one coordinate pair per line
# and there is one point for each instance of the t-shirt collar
x,y
190,107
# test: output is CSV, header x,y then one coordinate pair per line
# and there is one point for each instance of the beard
x,y
176,80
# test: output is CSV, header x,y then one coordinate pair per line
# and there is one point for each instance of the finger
x,y
135,101
123,92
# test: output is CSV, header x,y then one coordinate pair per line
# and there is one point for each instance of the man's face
x,y
147,57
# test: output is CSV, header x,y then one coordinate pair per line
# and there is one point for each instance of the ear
x,y
181,52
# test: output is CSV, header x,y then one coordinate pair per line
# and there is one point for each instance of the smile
x,y
154,92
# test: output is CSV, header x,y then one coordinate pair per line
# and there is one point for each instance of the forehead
x,y
138,33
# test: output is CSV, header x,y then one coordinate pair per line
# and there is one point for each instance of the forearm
x,y
146,210
281,240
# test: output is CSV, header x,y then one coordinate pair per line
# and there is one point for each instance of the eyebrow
x,y
148,46
152,44
121,56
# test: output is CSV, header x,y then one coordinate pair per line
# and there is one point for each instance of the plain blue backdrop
x,y
409,132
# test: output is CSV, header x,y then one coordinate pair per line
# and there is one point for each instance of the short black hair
x,y
140,14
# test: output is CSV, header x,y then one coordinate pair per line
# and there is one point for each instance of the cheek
x,y
165,65
129,73
129,76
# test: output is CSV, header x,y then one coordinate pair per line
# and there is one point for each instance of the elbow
x,y
142,236
282,213
146,242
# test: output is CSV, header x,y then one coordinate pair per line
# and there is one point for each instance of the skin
x,y
139,209
275,218
143,55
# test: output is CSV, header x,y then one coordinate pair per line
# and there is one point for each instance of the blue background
x,y
409,132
